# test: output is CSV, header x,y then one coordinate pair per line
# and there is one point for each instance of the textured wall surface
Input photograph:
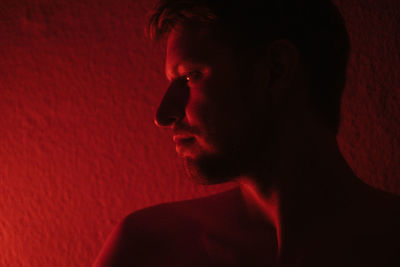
x,y
79,85
370,133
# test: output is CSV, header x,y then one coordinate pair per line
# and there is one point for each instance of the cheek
x,y
217,109
203,105
198,109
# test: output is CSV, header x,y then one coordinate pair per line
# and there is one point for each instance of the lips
x,y
183,139
184,145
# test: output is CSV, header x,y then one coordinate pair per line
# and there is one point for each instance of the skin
x,y
246,118
210,108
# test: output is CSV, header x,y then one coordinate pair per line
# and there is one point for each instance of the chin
x,y
212,169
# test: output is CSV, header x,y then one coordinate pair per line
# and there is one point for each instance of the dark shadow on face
x,y
219,115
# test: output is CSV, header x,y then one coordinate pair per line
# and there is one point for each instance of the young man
x,y
254,96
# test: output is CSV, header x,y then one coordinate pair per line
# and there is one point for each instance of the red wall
x,y
79,85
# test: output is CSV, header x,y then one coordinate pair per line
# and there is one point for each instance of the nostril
x,y
165,121
167,115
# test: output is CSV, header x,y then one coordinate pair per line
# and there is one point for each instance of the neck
x,y
310,186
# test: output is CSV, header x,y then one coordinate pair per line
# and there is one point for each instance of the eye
x,y
193,76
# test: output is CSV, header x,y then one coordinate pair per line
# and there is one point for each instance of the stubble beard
x,y
210,170
243,160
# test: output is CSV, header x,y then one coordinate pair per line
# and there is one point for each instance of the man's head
x,y
231,67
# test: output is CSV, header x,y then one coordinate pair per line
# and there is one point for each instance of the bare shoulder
x,y
153,233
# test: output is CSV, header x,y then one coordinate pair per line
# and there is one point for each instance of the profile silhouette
x,y
254,97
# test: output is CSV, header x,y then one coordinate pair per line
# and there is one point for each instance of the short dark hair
x,y
315,27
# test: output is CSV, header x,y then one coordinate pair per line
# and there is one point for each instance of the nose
x,y
173,105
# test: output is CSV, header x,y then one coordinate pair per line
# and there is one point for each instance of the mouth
x,y
183,139
184,144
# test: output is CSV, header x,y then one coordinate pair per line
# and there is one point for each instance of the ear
x,y
283,64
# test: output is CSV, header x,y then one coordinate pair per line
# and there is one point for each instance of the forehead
x,y
193,45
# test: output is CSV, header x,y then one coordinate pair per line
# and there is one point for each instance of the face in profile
x,y
214,107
